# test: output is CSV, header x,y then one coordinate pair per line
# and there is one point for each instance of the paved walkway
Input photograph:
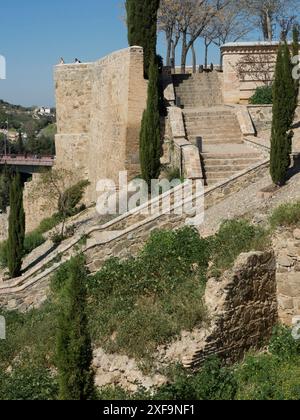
x,y
247,203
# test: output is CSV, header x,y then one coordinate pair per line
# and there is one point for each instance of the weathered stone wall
x,y
286,244
36,206
243,309
261,116
99,110
258,60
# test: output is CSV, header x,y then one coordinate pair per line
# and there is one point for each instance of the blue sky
x,y
34,34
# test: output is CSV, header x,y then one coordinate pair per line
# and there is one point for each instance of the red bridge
x,y
27,163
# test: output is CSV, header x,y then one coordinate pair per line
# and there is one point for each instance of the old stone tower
x,y
99,112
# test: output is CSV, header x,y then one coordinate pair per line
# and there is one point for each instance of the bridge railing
x,y
30,160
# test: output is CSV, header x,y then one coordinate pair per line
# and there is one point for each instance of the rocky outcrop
x,y
118,370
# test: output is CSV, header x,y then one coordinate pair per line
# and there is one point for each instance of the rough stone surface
x,y
118,370
243,309
238,88
99,113
286,244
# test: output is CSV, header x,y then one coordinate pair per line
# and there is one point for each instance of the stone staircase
x,y
202,89
218,166
213,125
216,131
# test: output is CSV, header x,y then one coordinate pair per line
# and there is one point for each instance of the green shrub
x,y
30,338
57,238
29,384
234,238
262,96
32,241
3,254
286,215
283,344
71,198
266,377
214,382
161,290
50,223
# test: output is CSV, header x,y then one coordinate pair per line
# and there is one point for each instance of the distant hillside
x,y
25,119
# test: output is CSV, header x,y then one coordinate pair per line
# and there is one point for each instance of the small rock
x,y
296,234
285,261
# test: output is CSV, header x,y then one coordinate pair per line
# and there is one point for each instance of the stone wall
x,y
286,244
99,110
257,69
262,119
36,206
243,309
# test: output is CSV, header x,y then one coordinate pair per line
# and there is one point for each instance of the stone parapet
x,y
246,66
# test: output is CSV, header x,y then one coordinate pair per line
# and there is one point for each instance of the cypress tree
x,y
295,53
74,349
15,246
20,146
283,116
150,142
142,27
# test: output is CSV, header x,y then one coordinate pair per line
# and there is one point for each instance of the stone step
x,y
230,156
217,141
209,117
224,168
230,131
219,175
206,123
213,182
245,162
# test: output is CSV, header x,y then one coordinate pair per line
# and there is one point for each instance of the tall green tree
x,y
15,247
4,189
283,116
74,349
295,53
142,27
20,145
150,141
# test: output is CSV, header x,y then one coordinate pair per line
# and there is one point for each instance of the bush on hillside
x,y
286,215
28,384
212,383
71,198
160,290
262,96
283,344
234,238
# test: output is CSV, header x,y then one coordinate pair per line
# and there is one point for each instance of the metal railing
x,y
27,160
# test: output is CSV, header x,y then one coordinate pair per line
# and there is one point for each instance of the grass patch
x,y
160,290
49,223
286,215
234,238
